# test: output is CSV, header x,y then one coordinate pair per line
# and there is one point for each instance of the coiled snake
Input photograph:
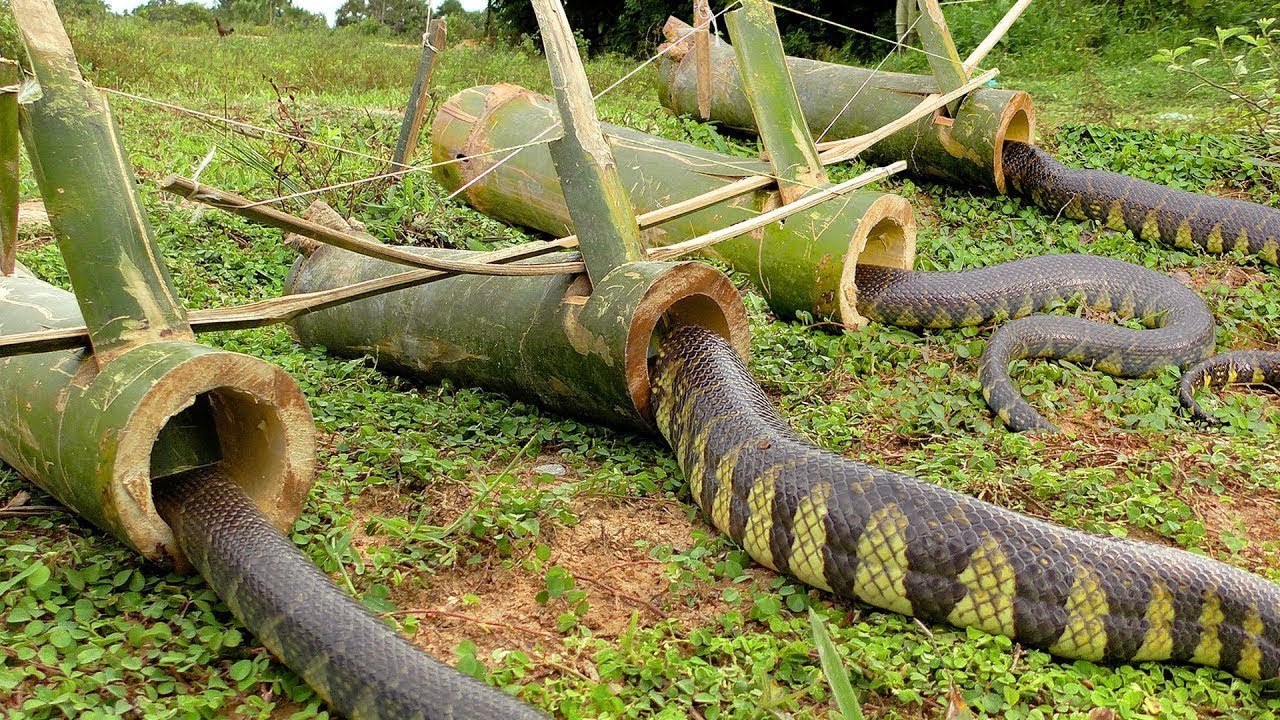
x,y
1150,211
1183,326
361,667
911,547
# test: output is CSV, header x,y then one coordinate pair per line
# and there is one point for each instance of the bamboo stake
x,y
767,81
838,151
702,55
772,216
936,40
598,201
10,78
433,42
242,206
121,283
989,42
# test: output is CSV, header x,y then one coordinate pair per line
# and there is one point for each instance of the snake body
x,y
1152,212
1240,367
1182,328
360,666
911,547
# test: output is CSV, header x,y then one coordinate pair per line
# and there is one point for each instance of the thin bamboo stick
x,y
837,151
702,55
283,309
10,77
772,216
242,206
433,41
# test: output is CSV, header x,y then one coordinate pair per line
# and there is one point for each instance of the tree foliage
x,y
400,16
634,26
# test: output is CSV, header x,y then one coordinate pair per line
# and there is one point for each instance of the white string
x,y
596,96
238,123
404,171
855,30
866,82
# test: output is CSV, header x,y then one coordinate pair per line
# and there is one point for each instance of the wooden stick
x,y
842,150
433,41
702,55
772,216
283,309
989,42
234,203
10,77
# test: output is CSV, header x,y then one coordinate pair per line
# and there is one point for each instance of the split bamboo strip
x,y
283,309
779,213
772,95
598,203
89,188
702,55
242,206
936,40
837,151
989,42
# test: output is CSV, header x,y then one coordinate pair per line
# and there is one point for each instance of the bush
x,y
1244,64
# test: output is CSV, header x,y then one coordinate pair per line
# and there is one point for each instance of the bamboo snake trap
x,y
858,531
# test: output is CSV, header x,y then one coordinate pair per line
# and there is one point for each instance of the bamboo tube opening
x,y
1017,122
265,433
885,237
688,293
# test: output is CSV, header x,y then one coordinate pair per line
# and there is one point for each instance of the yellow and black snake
x,y
1239,367
360,666
1150,211
1181,328
904,545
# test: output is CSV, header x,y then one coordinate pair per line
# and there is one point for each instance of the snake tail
x,y
1180,325
1152,212
911,547
1239,367
359,665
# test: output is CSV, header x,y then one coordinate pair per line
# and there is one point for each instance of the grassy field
x,y
600,592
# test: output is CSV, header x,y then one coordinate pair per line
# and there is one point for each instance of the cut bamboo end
x,y
1017,122
885,237
264,428
688,293
89,435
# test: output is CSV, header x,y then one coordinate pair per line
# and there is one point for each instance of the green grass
x,y
599,593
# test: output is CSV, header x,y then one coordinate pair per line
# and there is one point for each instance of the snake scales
x,y
1150,211
911,547
862,532
361,667
1182,326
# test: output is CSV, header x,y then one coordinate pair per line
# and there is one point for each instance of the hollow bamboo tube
x,y
578,348
806,264
89,437
965,149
